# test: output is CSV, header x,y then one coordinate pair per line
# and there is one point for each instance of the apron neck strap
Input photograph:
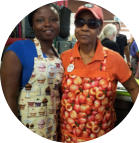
x,y
38,47
103,63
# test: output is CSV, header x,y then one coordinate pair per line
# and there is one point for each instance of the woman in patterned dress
x,y
31,74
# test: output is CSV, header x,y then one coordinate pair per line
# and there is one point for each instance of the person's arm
x,y
137,54
124,75
127,54
137,72
136,49
132,87
10,79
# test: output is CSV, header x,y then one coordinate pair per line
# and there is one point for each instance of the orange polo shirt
x,y
115,64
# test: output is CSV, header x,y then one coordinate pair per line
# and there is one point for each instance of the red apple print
x,y
91,118
107,116
101,132
100,95
89,131
84,108
104,119
71,96
89,101
62,109
103,83
74,139
67,139
77,80
69,127
89,125
68,107
77,108
70,121
109,123
96,103
77,92
94,83
88,112
82,120
69,82
77,99
93,123
66,114
95,129
64,102
92,136
109,93
82,114
72,76
104,125
73,131
105,101
109,86
85,134
86,92
78,131
101,88
66,91
98,117
81,126
65,122
63,126
86,80
82,98
73,114
87,86
101,109
110,104
74,87
94,112
107,130
64,96
92,91
92,98
98,78
96,89
70,100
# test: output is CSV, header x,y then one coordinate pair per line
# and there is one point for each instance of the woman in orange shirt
x,y
90,80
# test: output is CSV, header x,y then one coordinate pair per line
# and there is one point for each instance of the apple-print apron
x,y
87,110
39,101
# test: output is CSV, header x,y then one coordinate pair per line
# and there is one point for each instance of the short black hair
x,y
30,16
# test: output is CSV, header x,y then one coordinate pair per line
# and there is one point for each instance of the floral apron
x,y
39,101
87,103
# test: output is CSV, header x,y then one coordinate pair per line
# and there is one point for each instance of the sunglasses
x,y
91,23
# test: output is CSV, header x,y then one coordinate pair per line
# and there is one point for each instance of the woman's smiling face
x,y
46,23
